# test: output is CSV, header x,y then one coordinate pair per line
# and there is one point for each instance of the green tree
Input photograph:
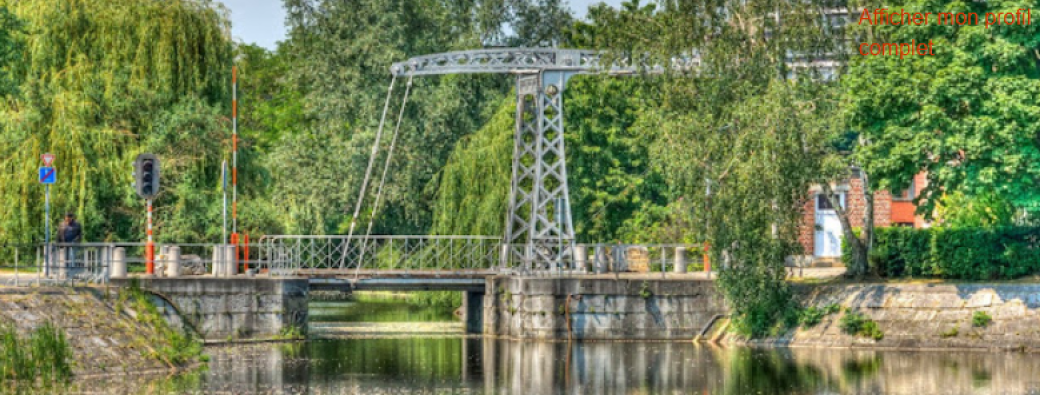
x,y
11,30
968,116
100,82
739,143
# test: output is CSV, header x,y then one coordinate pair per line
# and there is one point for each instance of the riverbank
x,y
108,332
998,316
904,316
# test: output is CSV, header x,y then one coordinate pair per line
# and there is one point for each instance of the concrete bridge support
x,y
473,307
234,308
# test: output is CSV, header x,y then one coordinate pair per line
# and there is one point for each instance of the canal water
x,y
422,350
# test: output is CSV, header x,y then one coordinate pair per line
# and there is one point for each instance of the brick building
x,y
821,232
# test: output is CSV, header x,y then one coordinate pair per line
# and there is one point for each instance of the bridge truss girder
x,y
539,232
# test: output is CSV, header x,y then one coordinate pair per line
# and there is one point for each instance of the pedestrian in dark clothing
x,y
70,232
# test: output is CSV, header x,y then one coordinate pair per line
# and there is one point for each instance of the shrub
x,y
956,253
851,322
857,324
812,316
980,319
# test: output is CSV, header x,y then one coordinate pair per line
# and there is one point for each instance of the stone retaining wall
x,y
103,339
915,316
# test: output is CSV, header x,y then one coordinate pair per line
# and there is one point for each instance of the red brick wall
x,y
856,206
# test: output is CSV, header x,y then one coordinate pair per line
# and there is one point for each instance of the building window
x,y
822,203
906,194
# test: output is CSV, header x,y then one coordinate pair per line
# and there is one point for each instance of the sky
x,y
263,21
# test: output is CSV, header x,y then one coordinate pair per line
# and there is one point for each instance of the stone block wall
x,y
234,308
922,316
599,308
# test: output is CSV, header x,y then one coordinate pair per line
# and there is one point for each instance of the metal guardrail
x,y
69,263
291,255
286,255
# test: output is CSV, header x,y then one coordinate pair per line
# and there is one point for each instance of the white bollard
x,y
218,261
581,257
230,264
600,259
118,268
680,259
173,261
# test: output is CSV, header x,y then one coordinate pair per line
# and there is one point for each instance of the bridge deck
x,y
474,280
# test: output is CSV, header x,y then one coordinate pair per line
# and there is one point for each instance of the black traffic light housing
x,y
146,176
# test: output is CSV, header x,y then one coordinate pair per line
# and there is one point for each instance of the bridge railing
x,y
602,258
290,254
296,254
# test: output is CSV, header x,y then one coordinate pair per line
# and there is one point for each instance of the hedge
x,y
955,253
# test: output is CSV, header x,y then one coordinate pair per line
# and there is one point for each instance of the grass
x,y
44,356
952,332
175,347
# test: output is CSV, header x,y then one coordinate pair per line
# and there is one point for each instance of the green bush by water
x,y
45,355
857,324
956,253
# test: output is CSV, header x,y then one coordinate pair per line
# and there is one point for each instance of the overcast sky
x,y
263,21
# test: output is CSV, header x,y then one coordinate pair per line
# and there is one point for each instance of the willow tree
x,y
104,80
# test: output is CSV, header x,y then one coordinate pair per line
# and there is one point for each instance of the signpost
x,y
48,176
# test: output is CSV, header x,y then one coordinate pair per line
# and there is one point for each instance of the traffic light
x,y
146,176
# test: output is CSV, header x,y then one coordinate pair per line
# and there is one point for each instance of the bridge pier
x,y
473,307
221,309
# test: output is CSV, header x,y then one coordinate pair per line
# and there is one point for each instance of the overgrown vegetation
x,y
812,315
175,347
952,332
44,357
855,323
981,319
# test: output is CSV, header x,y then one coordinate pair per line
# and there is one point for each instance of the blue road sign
x,y
48,175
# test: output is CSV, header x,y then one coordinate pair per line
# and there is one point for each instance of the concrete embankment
x,y
911,316
925,316
104,334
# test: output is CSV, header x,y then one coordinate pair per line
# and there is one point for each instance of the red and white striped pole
x,y
234,160
149,247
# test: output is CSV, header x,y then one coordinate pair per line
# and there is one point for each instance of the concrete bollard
x,y
118,268
230,263
680,259
581,257
218,261
600,260
173,261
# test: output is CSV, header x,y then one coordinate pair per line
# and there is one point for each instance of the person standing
x,y
70,231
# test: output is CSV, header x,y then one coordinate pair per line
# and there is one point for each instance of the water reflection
x,y
485,366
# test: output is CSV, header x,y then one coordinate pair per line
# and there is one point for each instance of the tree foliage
x,y
740,143
968,116
100,82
